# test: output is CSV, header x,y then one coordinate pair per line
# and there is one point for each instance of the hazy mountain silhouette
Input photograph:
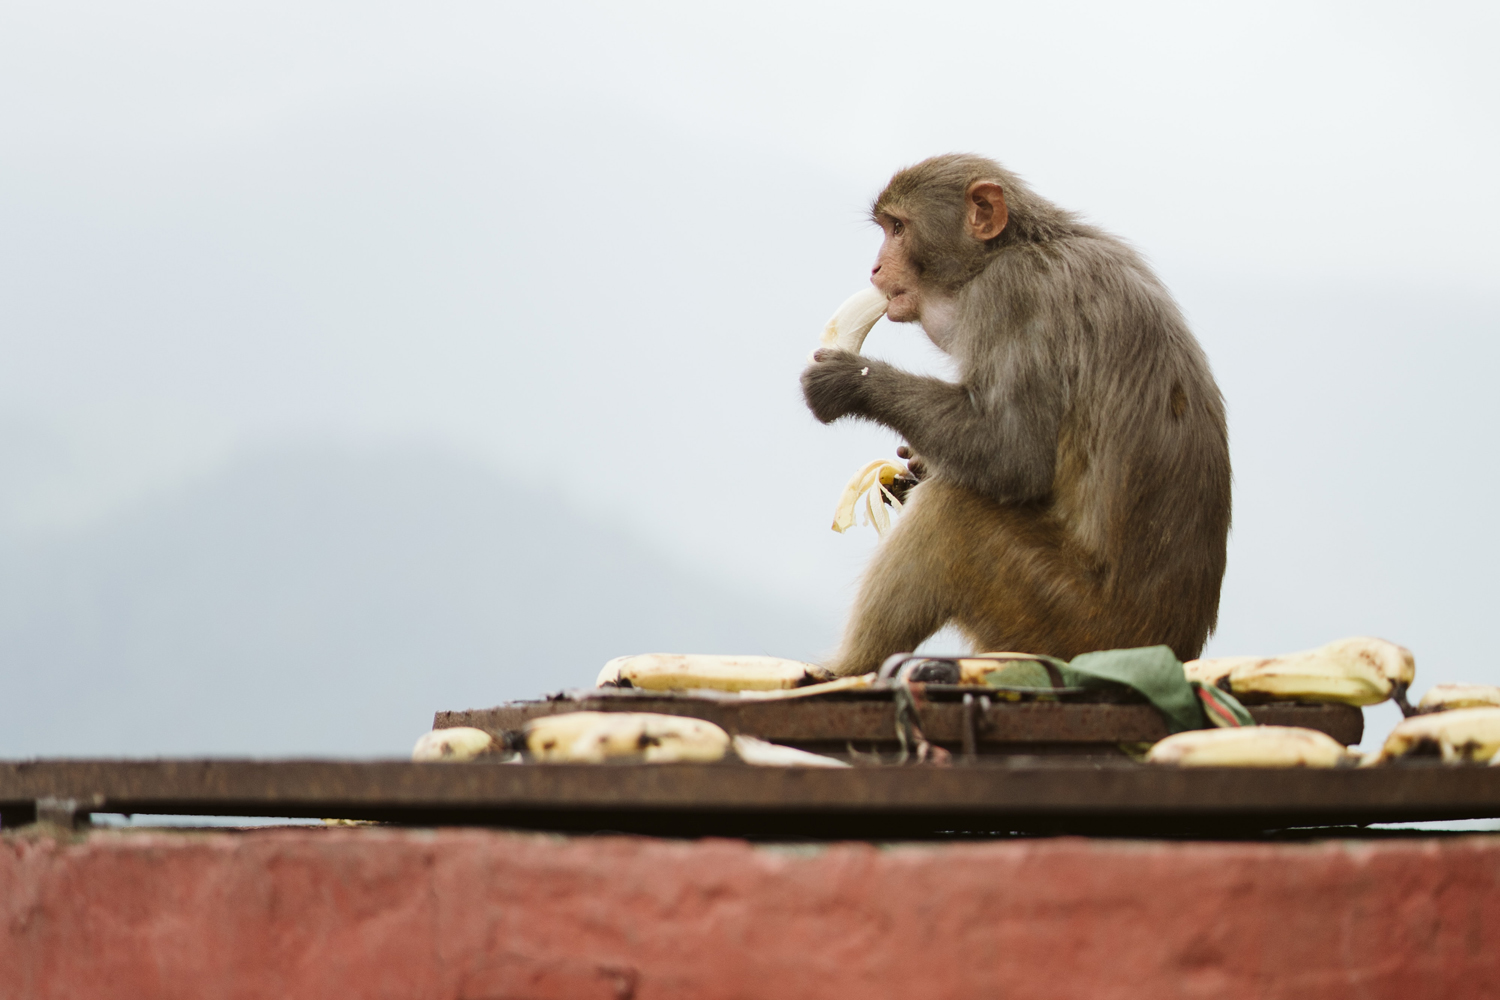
x,y
329,602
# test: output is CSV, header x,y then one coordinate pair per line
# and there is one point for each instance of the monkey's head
x,y
944,219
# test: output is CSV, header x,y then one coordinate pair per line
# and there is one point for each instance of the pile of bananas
x,y
597,737
1454,722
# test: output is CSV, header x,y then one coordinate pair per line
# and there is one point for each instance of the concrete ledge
x,y
485,915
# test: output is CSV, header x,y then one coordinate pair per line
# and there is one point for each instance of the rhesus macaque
x,y
1075,481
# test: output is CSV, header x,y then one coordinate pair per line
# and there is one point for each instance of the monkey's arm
x,y
1001,443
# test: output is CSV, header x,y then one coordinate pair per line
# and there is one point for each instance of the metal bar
x,y
942,722
1004,793
971,739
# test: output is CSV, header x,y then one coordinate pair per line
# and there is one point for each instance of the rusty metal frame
x,y
989,796
999,726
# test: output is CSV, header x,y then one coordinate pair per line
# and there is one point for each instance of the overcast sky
x,y
586,248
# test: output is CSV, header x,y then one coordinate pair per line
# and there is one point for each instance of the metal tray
x,y
865,722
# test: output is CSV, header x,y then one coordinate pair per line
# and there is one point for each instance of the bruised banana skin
x,y
1250,746
1445,697
1462,734
460,743
594,737
694,671
1360,670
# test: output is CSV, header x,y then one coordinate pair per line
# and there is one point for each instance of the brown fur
x,y
1078,492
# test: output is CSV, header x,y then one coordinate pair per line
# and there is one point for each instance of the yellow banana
x,y
1250,746
854,683
1356,671
692,671
610,674
457,744
1458,735
1209,671
1443,697
594,737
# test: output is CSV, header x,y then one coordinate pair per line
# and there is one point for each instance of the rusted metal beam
x,y
994,794
996,727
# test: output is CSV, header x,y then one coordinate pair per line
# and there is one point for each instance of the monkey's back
x,y
1141,479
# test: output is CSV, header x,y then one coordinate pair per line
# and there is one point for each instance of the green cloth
x,y
1154,671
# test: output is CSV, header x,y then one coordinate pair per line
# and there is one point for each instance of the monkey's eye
x,y
898,227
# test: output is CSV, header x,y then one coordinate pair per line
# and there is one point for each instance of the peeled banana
x,y
849,326
872,480
1443,697
692,671
1462,734
457,744
594,737
1250,746
1357,671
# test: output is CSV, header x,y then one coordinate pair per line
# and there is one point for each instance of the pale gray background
x,y
359,360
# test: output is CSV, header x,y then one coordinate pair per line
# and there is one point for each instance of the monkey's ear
x,y
987,212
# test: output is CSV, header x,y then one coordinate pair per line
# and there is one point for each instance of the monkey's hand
x,y
915,472
835,384
915,467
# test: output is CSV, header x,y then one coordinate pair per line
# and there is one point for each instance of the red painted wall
x,y
483,915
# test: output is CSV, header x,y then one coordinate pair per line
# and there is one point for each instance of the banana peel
x,y
871,482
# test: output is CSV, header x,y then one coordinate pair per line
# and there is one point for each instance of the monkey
x,y
1074,483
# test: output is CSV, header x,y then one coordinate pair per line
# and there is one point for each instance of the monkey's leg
x,y
1010,581
1024,590
907,593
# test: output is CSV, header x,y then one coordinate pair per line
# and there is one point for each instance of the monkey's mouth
x,y
899,300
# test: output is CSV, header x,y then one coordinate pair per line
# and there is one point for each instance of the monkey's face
x,y
894,274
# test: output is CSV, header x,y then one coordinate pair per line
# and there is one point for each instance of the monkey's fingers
x,y
900,487
849,326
